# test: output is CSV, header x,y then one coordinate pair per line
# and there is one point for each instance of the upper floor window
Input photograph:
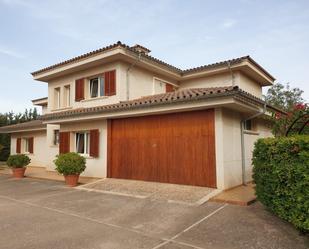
x,y
57,102
97,86
67,96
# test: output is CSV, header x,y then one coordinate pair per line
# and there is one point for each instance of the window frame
x,y
86,138
67,95
56,138
57,98
248,125
100,87
26,147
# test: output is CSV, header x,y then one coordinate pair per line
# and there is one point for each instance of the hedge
x,y
281,174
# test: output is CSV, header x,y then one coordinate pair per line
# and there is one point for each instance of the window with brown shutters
x,y
110,83
30,141
18,145
64,145
94,143
79,90
169,88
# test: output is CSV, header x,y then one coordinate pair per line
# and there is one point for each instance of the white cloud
x,y
11,53
228,23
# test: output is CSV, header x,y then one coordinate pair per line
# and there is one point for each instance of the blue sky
x,y
35,34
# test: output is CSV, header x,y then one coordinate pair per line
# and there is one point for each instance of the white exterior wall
x,y
51,150
141,83
228,147
95,167
70,80
38,158
225,79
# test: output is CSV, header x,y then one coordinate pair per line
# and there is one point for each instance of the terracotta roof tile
x,y
180,96
151,58
35,124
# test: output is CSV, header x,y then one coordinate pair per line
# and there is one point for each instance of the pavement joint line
x,y
186,244
55,194
90,183
190,227
80,217
112,193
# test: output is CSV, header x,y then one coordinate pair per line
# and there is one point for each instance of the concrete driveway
x,y
46,214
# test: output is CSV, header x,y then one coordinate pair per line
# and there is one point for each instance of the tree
x,y
289,100
284,97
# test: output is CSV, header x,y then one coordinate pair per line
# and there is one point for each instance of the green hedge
x,y
281,174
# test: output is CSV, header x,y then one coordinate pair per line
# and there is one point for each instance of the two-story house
x,y
136,117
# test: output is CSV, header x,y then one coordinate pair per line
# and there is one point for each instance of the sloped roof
x,y
153,59
179,96
30,125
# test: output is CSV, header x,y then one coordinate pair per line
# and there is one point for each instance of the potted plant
x,y
70,165
18,164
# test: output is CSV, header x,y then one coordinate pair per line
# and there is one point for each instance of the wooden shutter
x,y
169,88
79,89
64,143
31,145
110,83
94,143
18,145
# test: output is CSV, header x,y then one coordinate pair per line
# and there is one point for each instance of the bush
x,y
18,161
4,154
70,164
281,174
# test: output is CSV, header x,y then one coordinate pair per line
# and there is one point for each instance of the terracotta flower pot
x,y
19,172
71,180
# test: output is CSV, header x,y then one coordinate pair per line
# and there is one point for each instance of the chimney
x,y
141,49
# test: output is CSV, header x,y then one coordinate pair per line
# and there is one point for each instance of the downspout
x,y
242,134
128,78
232,74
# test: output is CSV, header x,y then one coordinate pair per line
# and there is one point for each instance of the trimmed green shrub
x,y
281,174
70,164
18,161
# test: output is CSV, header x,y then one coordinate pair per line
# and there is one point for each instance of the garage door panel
x,y
175,148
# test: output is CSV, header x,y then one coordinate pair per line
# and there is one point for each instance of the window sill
x,y
62,109
251,132
97,98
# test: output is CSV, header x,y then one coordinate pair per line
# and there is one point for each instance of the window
x,y
104,85
26,145
96,87
56,137
67,96
82,143
57,98
248,125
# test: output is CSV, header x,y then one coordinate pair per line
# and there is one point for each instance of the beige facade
x,y
141,76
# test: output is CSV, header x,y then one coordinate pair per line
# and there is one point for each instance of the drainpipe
x,y
128,78
242,140
232,74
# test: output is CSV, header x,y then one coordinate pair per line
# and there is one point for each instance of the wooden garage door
x,y
173,148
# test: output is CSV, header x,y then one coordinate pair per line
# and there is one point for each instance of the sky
x,y
36,34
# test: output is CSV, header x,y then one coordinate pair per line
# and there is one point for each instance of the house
x,y
134,116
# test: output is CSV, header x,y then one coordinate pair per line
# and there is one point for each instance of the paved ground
x,y
185,194
46,214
